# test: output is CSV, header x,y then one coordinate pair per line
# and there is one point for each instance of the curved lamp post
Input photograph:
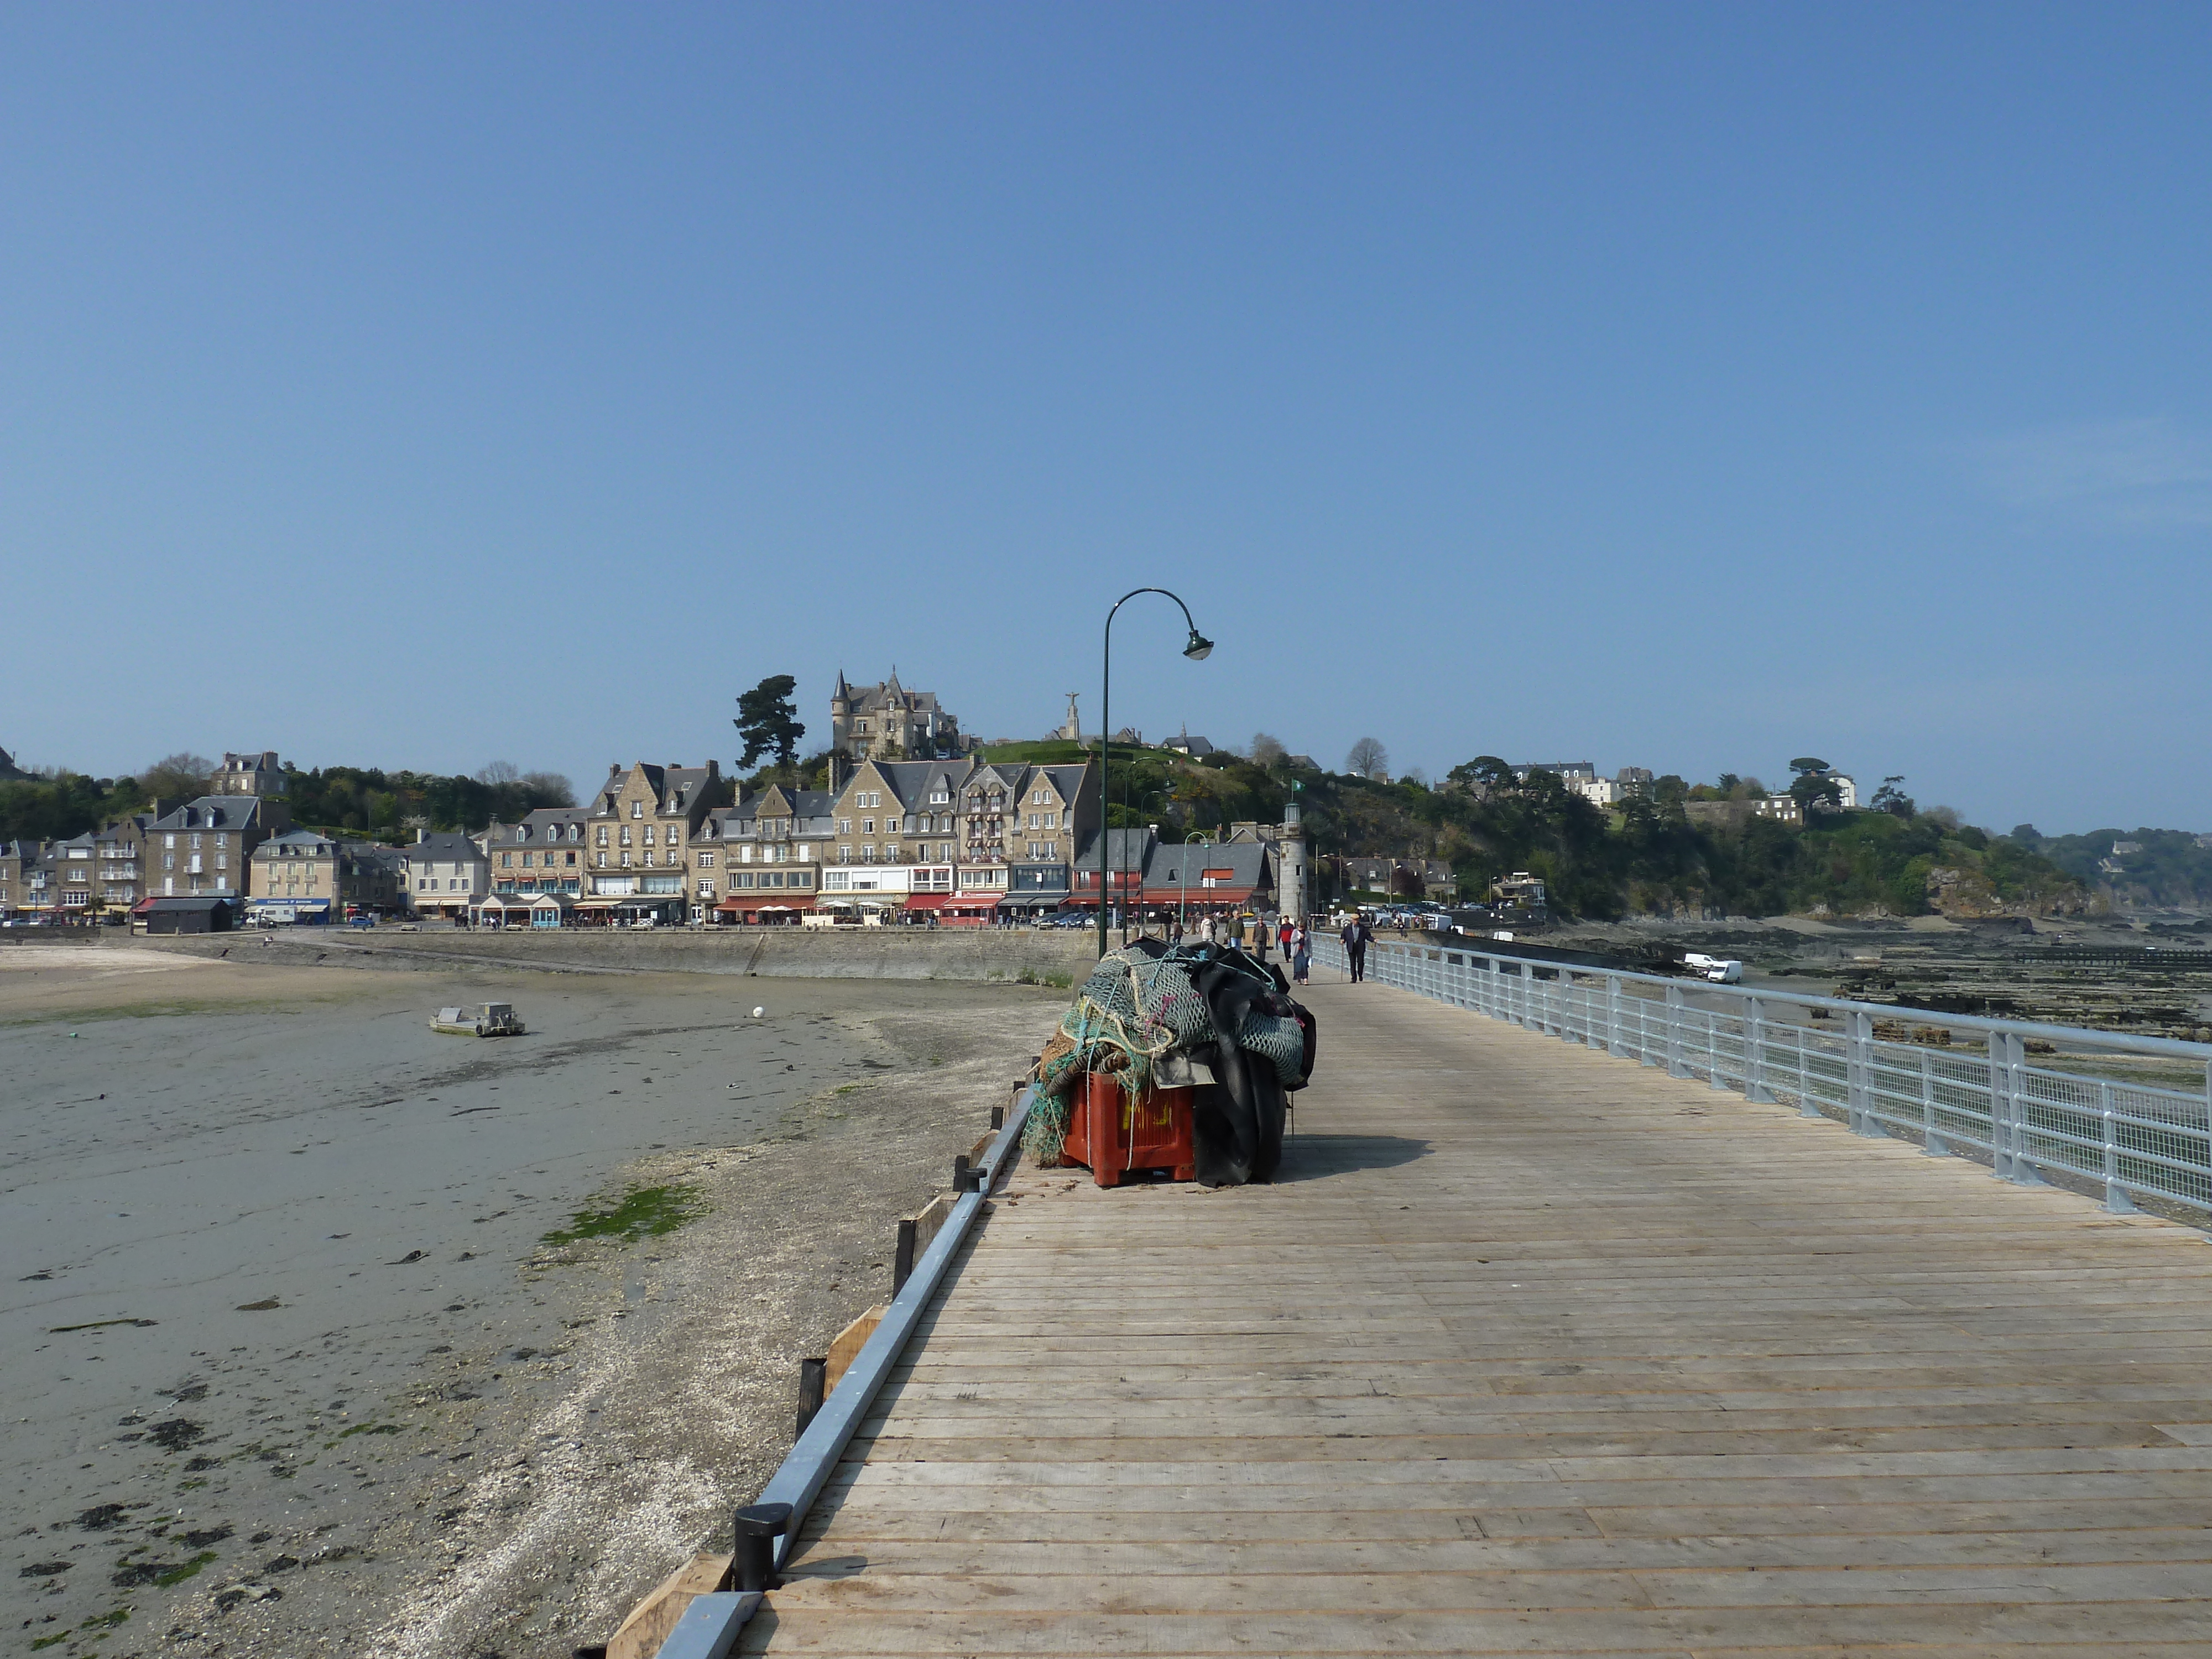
x,y
1197,647
1183,903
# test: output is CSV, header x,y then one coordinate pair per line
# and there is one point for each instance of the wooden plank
x,y
845,1347
650,1621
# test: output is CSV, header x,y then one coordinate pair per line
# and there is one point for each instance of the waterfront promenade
x,y
1534,1351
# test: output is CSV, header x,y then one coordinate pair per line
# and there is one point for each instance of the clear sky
x,y
1687,387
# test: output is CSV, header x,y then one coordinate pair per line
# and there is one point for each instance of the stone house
x,y
761,860
304,876
889,722
641,826
202,848
545,852
443,871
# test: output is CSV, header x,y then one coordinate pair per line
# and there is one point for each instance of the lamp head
x,y
1200,647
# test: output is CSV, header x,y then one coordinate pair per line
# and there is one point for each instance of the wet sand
x,y
290,1367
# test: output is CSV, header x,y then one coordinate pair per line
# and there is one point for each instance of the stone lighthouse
x,y
1291,876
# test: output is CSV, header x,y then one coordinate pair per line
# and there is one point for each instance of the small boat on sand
x,y
485,1019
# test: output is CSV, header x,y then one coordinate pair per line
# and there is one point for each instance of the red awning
x,y
973,902
928,901
141,907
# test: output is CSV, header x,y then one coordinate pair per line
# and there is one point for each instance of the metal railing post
x,y
1755,1053
1931,1138
1675,1066
1859,1067
1612,1044
2117,1197
1807,1105
2007,1052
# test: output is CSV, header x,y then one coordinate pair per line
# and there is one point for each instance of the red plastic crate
x,y
1114,1137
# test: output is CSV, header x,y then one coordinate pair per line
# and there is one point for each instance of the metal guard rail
x,y
709,1627
2138,1139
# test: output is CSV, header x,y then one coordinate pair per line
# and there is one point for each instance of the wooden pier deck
x,y
1537,1351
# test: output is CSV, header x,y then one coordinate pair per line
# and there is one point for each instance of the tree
x,y
548,789
1805,763
498,772
1893,800
1816,791
177,776
1368,759
1267,751
1486,770
768,719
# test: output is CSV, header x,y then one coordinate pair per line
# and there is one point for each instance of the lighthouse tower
x,y
1291,877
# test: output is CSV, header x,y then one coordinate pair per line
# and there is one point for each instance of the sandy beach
x,y
304,1348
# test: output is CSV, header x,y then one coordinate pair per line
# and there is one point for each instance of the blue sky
x,y
1686,386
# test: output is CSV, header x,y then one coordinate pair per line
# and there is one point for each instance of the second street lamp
x,y
1197,647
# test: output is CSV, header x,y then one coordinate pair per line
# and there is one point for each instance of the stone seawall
x,y
1056,957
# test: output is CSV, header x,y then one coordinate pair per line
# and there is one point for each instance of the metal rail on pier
x,y
2016,1097
710,1624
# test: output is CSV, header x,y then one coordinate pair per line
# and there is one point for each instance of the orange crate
x,y
1114,1137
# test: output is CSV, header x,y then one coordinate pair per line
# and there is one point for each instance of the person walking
x,y
1299,948
1283,934
1236,930
1355,936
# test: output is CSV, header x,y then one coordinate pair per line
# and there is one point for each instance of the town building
x,y
202,848
1114,861
13,854
889,722
445,872
547,852
118,852
303,876
10,772
895,838
1055,811
1201,877
248,774
1195,747
759,861
641,825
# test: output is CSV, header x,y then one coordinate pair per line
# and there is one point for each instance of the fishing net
x,y
1135,1010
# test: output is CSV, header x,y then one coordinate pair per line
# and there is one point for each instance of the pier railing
x,y
2132,1112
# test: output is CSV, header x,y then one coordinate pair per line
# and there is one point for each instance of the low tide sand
x,y
290,1367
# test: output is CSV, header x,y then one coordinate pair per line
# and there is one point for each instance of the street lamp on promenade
x,y
1197,647
1183,903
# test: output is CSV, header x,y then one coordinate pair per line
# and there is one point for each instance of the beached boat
x,y
485,1019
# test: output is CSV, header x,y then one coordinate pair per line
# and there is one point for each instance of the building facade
x,y
202,849
759,861
302,876
445,872
889,722
248,774
642,825
547,852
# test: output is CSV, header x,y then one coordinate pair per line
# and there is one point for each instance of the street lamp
x,y
1182,904
1198,648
